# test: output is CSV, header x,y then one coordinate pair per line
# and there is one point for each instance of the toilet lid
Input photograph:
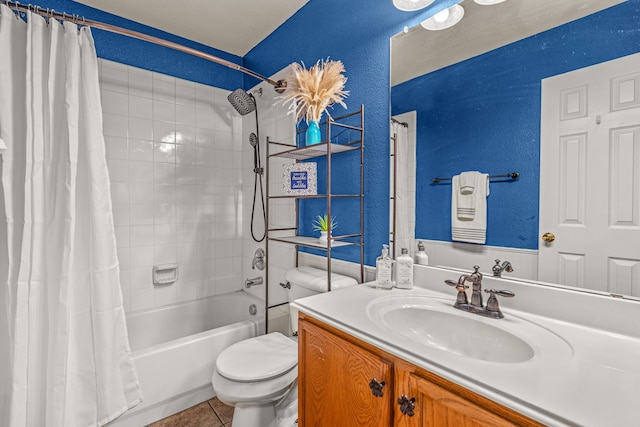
x,y
259,358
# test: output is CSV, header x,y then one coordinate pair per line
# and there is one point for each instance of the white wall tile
x,y
185,134
115,125
141,256
140,278
164,173
164,153
142,298
141,191
118,170
141,171
140,107
115,102
186,115
177,156
164,111
140,128
120,213
122,236
140,83
141,235
117,148
120,191
141,213
164,131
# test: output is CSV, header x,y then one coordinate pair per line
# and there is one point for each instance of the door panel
x,y
590,177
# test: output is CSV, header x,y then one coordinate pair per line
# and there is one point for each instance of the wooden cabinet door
x,y
437,406
334,379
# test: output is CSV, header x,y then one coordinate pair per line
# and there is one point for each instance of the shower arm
x,y
279,85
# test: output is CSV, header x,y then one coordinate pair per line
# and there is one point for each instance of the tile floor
x,y
211,413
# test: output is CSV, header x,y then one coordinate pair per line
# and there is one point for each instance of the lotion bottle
x,y
421,256
404,270
383,269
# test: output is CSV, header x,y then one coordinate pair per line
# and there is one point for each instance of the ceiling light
x,y
444,19
488,2
411,5
441,16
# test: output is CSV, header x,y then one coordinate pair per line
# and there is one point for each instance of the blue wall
x,y
484,114
357,32
149,56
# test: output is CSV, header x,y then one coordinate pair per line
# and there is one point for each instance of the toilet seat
x,y
234,392
258,359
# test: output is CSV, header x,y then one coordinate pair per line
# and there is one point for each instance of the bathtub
x,y
175,348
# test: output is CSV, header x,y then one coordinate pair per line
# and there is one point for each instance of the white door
x,y
590,178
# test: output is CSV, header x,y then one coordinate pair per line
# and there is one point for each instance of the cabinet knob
x,y
376,387
407,405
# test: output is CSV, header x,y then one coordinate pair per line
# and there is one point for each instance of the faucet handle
x,y
460,287
492,302
502,293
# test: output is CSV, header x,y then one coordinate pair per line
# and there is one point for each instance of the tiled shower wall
x,y
174,156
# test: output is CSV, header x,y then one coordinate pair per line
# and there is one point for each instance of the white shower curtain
x,y
65,357
403,187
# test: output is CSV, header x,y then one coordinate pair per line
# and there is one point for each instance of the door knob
x,y
548,237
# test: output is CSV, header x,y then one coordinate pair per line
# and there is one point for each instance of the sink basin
x,y
434,323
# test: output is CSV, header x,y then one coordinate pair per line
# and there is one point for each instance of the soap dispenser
x,y
404,270
421,256
383,269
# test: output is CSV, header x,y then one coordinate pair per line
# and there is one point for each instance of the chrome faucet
x,y
492,309
476,280
498,268
258,260
255,281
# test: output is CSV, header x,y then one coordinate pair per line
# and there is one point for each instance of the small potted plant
x,y
323,224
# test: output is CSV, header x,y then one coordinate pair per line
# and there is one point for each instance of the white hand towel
x,y
3,146
469,211
468,182
464,186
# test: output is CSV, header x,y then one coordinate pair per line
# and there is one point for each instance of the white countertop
x,y
584,376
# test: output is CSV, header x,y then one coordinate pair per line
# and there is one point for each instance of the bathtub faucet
x,y
248,283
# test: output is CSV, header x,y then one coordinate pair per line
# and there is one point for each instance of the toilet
x,y
257,374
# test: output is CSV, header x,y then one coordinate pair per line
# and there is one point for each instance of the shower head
x,y
253,139
243,102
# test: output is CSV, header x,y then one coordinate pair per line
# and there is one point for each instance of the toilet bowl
x,y
256,374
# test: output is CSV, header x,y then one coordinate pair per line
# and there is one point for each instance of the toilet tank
x,y
306,281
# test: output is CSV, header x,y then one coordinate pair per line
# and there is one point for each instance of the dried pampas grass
x,y
311,91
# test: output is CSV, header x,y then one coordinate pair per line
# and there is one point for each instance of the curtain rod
x,y
405,124
279,85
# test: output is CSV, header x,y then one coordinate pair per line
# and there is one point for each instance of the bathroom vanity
x,y
408,358
346,381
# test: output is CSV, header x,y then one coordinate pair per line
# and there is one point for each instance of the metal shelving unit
x,y
328,148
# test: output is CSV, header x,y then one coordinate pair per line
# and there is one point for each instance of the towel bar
x,y
512,175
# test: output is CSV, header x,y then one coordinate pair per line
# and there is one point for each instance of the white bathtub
x,y
175,349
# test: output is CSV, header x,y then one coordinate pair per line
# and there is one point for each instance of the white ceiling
x,y
483,28
234,26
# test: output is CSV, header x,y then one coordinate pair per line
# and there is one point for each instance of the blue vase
x,y
313,134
